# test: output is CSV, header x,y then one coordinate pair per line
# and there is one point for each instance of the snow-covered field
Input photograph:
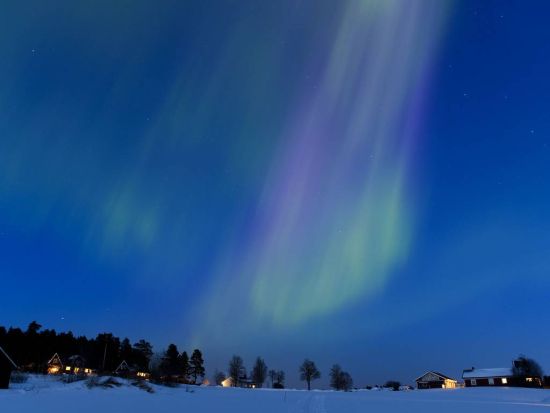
x,y
41,394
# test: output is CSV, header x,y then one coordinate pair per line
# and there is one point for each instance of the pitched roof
x,y
487,373
122,366
8,357
437,374
55,360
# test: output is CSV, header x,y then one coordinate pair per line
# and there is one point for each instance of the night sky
x,y
363,182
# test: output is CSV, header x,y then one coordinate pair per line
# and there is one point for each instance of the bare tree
x,y
272,374
259,372
526,367
339,379
219,377
309,372
236,369
279,380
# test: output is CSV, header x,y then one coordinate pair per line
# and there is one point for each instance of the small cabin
x,y
228,382
76,364
123,370
55,365
7,365
127,371
435,380
247,383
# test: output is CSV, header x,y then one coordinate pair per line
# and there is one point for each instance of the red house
x,y
498,377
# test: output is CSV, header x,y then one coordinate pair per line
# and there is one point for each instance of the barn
x,y
435,380
6,367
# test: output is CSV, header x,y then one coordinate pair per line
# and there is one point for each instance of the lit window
x,y
529,379
492,381
504,380
68,368
473,382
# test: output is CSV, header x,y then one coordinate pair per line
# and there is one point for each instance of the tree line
x,y
33,347
339,379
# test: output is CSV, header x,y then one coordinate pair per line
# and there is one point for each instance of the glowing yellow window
x,y
504,380
68,368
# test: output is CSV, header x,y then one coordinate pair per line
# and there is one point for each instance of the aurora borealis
x,y
254,176
333,216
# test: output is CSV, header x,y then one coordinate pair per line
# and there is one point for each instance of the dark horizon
x,y
361,182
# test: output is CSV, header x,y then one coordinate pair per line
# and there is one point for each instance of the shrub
x,y
140,384
393,385
19,377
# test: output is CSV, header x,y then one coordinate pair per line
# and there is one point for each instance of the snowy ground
x,y
41,394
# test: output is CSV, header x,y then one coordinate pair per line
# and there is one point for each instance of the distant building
x,y
503,376
73,365
127,371
435,380
247,383
55,365
243,382
228,382
7,365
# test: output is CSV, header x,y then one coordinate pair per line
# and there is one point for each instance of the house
x,y
247,383
125,370
6,367
243,382
76,364
143,375
435,380
228,382
55,365
73,365
503,376
488,377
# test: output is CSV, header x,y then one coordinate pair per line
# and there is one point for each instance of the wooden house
x,y
247,383
55,365
498,377
228,382
435,380
487,377
75,364
7,365
127,371
123,370
143,375
243,382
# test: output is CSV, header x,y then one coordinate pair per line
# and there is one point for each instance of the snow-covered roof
x,y
487,373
